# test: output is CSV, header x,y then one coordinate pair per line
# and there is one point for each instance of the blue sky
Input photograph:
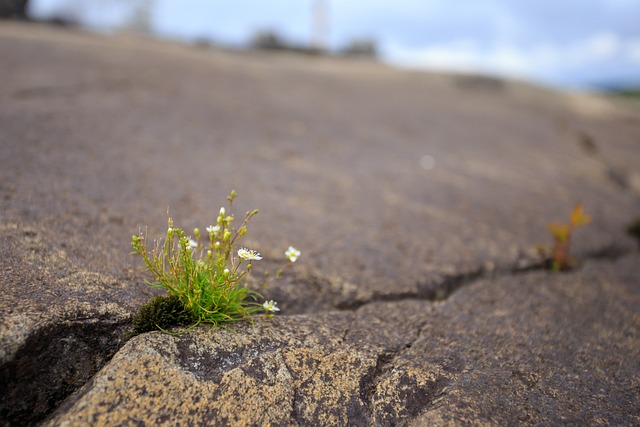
x,y
567,43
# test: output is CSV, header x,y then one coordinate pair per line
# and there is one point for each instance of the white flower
x,y
292,253
213,229
248,254
270,306
192,244
222,211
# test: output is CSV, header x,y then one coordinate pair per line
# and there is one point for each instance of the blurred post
x,y
140,19
320,25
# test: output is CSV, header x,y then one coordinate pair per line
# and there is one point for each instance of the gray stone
x,y
416,199
59,323
538,350
520,349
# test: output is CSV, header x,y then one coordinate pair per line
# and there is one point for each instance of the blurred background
x,y
569,44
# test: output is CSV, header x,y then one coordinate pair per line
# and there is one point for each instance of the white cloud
x,y
601,46
540,61
633,51
467,56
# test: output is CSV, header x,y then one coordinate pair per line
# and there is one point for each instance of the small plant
x,y
634,230
205,277
558,257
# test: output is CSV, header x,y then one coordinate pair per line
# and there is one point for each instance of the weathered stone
x,y
327,148
59,324
292,370
522,349
416,200
273,373
539,350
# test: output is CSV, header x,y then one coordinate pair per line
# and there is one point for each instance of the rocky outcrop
x,y
524,349
416,200
60,323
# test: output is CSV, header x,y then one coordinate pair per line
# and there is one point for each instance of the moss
x,y
162,312
634,230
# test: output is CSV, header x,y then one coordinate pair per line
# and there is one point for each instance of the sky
x,y
575,44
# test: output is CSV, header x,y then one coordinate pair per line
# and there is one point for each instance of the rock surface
x,y
507,351
415,198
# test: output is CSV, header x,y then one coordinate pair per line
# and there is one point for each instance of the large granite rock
x,y
415,198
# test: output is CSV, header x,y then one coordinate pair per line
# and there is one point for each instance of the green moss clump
x,y
162,312
634,230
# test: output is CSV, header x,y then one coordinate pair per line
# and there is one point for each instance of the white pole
x,y
320,25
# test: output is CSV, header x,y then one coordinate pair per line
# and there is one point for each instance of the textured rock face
x,y
511,350
537,351
60,323
416,200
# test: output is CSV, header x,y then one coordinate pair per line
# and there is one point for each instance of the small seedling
x,y
558,257
204,276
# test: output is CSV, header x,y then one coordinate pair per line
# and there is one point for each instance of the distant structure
x,y
320,25
13,9
140,20
360,48
268,40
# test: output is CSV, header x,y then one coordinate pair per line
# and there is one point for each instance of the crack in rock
x,y
450,284
610,252
73,350
53,363
622,179
369,381
395,394
441,291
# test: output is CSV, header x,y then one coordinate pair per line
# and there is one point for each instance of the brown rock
x,y
59,323
523,349
538,350
416,200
